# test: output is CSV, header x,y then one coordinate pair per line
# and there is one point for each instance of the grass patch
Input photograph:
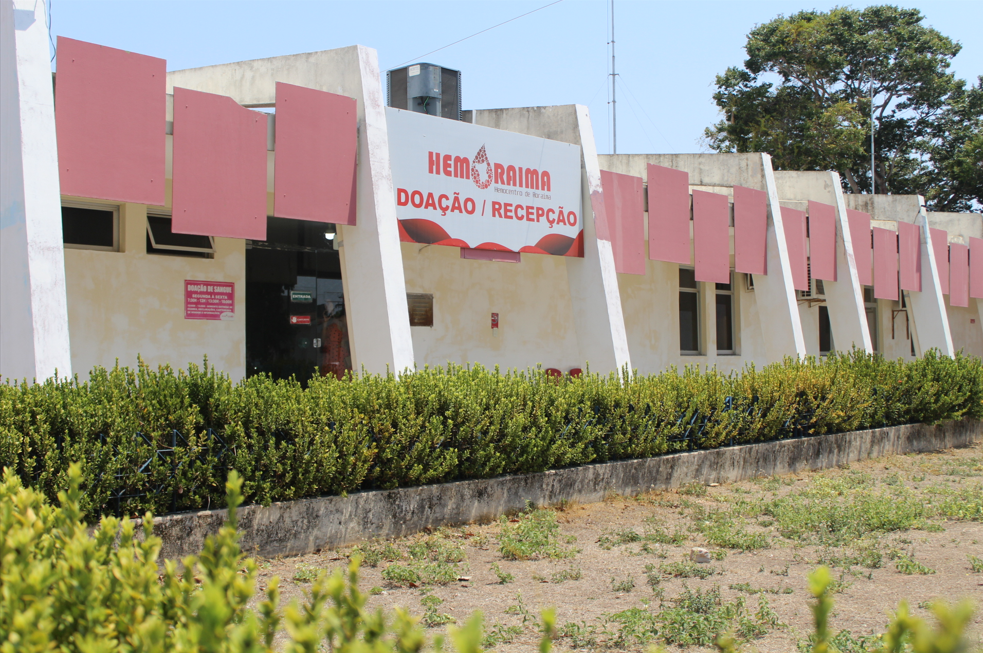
x,y
623,585
698,616
373,553
306,574
535,534
573,573
419,573
976,564
431,616
500,634
687,569
909,566
747,589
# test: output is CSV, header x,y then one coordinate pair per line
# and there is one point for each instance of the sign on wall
x,y
464,185
209,300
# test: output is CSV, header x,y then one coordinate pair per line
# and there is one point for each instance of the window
x,y
725,318
421,309
90,226
161,240
870,303
689,312
825,331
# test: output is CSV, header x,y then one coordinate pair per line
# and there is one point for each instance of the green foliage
x,y
813,83
905,633
66,588
908,565
162,440
975,563
503,577
533,534
687,569
697,617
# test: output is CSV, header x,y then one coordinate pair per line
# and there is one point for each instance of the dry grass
x,y
617,572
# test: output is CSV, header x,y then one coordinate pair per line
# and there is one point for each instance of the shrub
x,y
68,589
163,440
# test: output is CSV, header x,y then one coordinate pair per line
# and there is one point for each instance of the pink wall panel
x,y
795,240
910,256
668,215
976,268
822,241
219,186
625,221
860,235
750,230
110,119
885,264
711,236
316,143
958,275
940,246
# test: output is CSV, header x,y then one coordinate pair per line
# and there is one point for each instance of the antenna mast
x,y
614,100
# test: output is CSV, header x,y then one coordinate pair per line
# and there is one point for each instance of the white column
x,y
845,296
929,319
596,298
371,259
33,302
781,324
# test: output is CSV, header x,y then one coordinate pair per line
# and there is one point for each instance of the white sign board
x,y
464,185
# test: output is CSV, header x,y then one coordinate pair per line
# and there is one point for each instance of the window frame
x,y
174,250
871,312
699,314
732,293
94,206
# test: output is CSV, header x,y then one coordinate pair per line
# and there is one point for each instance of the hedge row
x,y
162,440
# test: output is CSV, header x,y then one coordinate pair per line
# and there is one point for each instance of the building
x,y
669,259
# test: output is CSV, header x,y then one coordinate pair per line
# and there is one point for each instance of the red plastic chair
x,y
575,372
554,373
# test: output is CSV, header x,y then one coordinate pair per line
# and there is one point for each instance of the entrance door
x,y
295,309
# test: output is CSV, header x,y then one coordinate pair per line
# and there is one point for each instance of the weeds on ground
x,y
434,560
698,616
306,574
372,553
976,564
687,569
573,573
535,533
622,585
500,634
865,555
431,617
909,566
580,635
693,489
747,589
503,577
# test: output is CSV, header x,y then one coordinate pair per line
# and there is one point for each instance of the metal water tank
x,y
425,88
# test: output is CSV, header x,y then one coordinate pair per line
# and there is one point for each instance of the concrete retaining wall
x,y
306,525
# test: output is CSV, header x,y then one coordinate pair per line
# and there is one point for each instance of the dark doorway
x,y
295,308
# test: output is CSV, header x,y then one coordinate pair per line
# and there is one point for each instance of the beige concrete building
x,y
321,298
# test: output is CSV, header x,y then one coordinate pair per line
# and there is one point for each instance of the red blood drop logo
x,y
481,157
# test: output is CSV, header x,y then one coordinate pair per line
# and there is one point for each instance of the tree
x,y
813,82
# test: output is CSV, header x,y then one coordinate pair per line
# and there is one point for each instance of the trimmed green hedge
x,y
164,441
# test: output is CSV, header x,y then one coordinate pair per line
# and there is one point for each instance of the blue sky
x,y
667,52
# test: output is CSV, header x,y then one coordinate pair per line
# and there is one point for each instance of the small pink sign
x,y
209,300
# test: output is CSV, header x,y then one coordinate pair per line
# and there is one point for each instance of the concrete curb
x,y
306,525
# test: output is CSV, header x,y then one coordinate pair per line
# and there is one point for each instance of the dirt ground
x,y
619,576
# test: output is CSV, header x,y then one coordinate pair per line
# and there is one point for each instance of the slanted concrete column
x,y
781,324
374,285
600,322
33,303
929,319
371,258
845,296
